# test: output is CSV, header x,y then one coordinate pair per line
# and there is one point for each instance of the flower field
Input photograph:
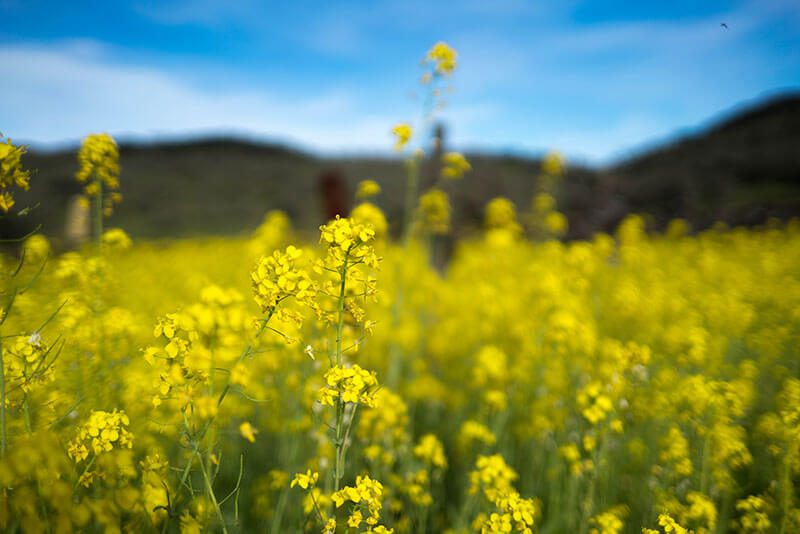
x,y
340,382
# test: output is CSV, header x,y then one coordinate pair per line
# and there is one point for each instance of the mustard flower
x,y
305,480
278,277
443,58
98,159
248,432
454,165
11,173
353,384
430,450
434,211
369,214
367,189
402,133
100,434
553,164
116,239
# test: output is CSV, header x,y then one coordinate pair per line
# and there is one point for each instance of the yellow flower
x,y
402,133
353,384
553,164
99,167
248,432
116,239
355,519
370,214
443,58
6,201
278,277
434,211
431,451
101,433
11,173
305,480
368,188
454,165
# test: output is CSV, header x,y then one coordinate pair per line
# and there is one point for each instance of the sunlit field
x,y
346,382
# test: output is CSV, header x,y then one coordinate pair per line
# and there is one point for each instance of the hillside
x,y
742,170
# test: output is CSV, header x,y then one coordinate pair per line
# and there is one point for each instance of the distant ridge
x,y
742,169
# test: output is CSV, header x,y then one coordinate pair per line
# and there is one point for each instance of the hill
x,y
743,169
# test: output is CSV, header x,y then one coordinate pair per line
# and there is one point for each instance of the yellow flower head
x,y
434,211
305,480
370,214
402,133
11,173
99,168
101,433
278,277
116,239
431,451
553,164
368,188
454,165
248,432
443,58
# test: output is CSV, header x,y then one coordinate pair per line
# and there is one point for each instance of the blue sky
x,y
595,79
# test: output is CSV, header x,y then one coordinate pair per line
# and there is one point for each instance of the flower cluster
x,y
116,239
367,189
348,267
100,434
367,498
492,476
369,214
305,480
27,363
11,173
430,450
454,165
402,133
500,213
278,277
99,169
348,238
442,58
611,521
352,384
434,211
669,525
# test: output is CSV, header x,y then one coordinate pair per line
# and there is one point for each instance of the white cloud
x,y
590,90
54,94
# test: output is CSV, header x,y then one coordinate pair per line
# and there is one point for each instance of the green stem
x,y
704,475
340,310
338,467
85,470
213,497
588,503
26,412
246,352
289,460
412,184
3,432
97,222
786,489
98,213
278,517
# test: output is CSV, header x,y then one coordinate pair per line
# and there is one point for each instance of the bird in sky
x,y
723,25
